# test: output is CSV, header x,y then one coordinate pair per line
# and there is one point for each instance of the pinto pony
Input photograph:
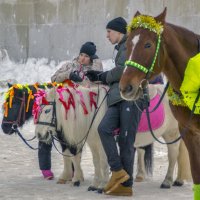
x,y
155,46
74,118
78,111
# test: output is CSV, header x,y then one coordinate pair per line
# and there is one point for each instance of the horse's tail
x,y
184,170
148,158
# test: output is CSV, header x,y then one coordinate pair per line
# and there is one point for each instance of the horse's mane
x,y
179,29
183,36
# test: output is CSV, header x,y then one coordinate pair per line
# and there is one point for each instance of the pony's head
x,y
44,111
143,54
17,106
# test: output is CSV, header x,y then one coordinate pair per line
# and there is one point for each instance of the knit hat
x,y
118,24
88,48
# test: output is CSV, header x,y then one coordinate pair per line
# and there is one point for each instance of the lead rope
x,y
181,134
190,118
87,134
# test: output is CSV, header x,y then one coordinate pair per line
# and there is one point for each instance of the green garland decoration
x,y
175,98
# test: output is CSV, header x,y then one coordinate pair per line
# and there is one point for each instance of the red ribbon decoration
x,y
92,101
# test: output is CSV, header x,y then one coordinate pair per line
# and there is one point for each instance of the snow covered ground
x,y
20,177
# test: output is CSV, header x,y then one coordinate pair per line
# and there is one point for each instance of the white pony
x,y
74,118
177,151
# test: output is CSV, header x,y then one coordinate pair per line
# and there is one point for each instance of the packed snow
x,y
19,171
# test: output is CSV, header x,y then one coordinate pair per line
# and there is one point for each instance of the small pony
x,y
76,112
74,118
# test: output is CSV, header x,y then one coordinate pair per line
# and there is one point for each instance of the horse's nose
x,y
127,89
7,128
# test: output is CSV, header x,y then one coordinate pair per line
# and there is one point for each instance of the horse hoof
x,y
100,190
61,181
164,186
178,183
76,184
139,179
92,188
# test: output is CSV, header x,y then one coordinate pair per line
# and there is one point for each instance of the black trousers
x,y
126,116
44,155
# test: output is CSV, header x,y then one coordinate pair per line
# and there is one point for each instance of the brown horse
x,y
155,46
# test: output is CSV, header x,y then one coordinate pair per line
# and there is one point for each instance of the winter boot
x,y
116,178
47,174
121,190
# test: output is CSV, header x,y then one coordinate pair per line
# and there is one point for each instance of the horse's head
x,y
143,53
17,107
46,122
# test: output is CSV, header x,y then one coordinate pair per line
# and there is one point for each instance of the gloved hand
x,y
93,75
75,77
102,77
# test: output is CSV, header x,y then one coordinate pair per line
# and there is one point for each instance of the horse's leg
x,y
67,171
104,168
141,173
97,168
192,142
184,171
173,150
78,173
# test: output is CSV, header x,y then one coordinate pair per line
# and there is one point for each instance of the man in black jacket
x,y
120,114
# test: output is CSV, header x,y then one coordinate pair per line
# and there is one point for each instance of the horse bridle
x,y
142,68
53,122
148,71
144,88
16,123
83,140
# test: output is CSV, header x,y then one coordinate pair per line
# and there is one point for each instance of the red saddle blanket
x,y
156,118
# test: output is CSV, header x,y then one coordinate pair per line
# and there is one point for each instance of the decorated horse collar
x,y
146,22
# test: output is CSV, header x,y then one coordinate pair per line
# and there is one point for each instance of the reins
x,y
181,134
190,118
146,99
16,130
148,71
16,123
84,139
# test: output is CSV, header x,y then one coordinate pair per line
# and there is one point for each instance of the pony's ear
x,y
161,17
9,85
137,13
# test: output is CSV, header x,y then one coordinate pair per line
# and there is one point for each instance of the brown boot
x,y
121,190
116,178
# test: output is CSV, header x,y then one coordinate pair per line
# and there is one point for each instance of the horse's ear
x,y
9,85
161,17
137,13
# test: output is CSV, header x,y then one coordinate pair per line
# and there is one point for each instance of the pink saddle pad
x,y
156,117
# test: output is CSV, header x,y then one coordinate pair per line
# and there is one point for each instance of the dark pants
x,y
126,116
44,155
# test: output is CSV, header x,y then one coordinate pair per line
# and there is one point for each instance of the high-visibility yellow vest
x,y
191,83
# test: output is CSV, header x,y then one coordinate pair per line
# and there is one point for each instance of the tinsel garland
x,y
146,22
174,98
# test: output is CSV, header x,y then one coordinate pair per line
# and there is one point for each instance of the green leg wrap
x,y
196,189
